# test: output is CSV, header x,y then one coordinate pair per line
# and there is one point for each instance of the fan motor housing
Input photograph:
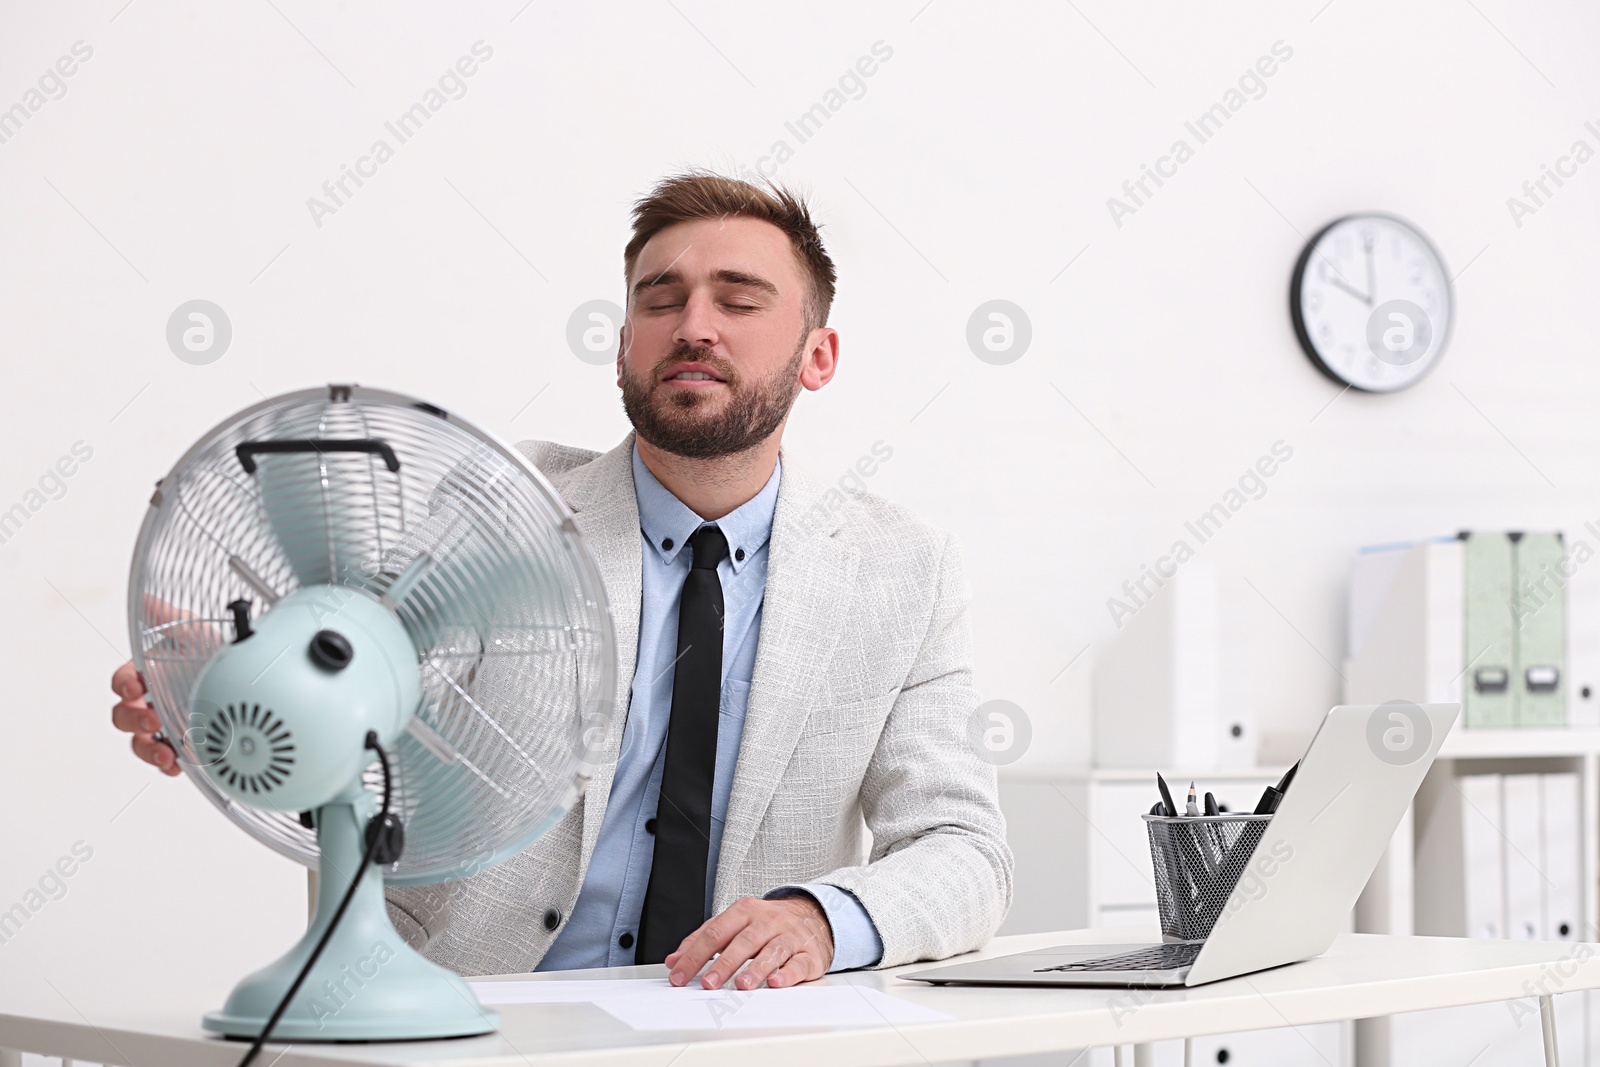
x,y
277,722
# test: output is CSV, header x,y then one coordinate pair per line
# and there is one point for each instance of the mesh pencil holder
x,y
1198,860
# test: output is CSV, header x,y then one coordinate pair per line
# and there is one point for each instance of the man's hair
x,y
702,194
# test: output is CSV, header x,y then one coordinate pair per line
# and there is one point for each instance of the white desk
x,y
1364,975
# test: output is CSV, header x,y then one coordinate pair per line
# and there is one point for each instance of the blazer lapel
x,y
809,577
602,498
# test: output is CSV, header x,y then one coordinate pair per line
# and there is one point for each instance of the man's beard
x,y
673,424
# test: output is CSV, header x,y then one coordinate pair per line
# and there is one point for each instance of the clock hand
x,y
1371,289
1340,283
1337,279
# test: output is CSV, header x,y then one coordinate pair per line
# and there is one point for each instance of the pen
x,y
1166,796
1176,877
1216,851
1219,844
1273,795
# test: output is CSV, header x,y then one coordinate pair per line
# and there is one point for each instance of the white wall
x,y
976,165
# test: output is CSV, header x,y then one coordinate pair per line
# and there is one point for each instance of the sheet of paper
x,y
654,1004
568,992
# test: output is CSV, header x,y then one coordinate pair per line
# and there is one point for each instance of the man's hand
x,y
134,714
784,942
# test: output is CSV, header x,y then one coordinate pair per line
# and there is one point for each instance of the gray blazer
x,y
855,767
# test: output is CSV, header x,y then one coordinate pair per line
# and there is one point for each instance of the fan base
x,y
368,984
405,1000
384,1029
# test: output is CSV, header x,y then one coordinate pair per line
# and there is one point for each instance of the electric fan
x,y
375,639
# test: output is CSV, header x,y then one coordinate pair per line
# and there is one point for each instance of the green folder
x,y
1540,614
1488,694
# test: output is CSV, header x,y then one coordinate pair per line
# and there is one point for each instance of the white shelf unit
x,y
1083,860
1517,744
1391,902
1408,644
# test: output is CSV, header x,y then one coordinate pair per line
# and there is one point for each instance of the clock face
x,y
1371,303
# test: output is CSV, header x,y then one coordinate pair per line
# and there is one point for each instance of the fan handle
x,y
248,450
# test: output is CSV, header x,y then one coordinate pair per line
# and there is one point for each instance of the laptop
x,y
1332,826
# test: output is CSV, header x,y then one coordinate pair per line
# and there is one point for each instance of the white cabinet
x,y
1501,837
1312,1046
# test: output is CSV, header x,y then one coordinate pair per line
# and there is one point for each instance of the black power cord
x,y
374,840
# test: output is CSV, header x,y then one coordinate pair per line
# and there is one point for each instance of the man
x,y
792,790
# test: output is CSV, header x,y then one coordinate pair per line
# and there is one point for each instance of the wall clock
x,y
1371,302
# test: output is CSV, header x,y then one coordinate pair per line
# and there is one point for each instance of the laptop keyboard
x,y
1151,958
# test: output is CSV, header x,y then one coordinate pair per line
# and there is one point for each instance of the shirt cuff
x,y
855,940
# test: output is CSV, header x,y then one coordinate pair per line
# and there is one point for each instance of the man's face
x,y
715,349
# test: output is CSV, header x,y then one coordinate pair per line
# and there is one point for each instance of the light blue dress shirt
x,y
604,922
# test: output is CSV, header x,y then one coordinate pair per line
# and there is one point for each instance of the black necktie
x,y
675,899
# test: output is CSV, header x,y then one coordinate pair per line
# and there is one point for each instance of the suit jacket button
x,y
552,919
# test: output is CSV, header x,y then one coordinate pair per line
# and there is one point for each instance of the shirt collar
x,y
667,521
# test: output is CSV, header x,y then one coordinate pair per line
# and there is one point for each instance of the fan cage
x,y
470,546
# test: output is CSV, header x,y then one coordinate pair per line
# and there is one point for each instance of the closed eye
x,y
735,307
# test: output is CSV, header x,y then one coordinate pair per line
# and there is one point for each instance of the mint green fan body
x,y
338,568
368,984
